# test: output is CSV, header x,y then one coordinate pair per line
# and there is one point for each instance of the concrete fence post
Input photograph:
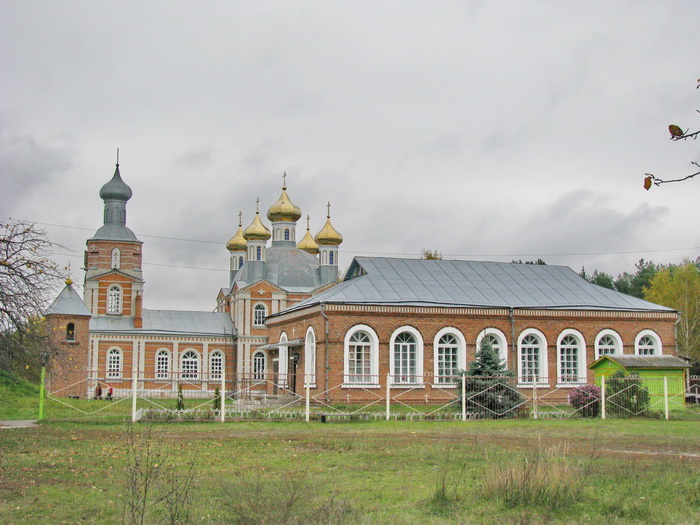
x,y
464,397
222,395
308,400
602,397
666,397
388,397
134,393
42,393
534,397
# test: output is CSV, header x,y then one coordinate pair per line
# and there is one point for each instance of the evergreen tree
x,y
217,399
180,399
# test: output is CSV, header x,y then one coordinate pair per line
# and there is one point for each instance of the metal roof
x,y
170,322
446,283
289,268
645,361
68,302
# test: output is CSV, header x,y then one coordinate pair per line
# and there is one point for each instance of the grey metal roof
x,y
68,302
170,322
289,268
648,361
114,232
420,282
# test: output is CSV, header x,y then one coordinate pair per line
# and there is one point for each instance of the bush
x,y
626,395
586,400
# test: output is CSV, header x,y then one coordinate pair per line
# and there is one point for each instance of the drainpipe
x,y
513,343
325,375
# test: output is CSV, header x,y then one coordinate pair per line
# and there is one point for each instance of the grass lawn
x,y
519,471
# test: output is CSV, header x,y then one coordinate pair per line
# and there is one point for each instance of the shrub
x,y
217,399
180,400
586,400
626,395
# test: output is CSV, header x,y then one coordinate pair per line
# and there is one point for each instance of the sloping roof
x,y
642,361
68,302
420,282
170,322
289,268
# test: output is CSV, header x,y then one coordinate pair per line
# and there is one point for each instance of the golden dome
x,y
284,209
328,236
237,242
257,230
307,243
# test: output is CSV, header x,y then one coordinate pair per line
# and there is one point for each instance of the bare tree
x,y
28,278
677,134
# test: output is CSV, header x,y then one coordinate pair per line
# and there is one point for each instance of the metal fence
x,y
268,396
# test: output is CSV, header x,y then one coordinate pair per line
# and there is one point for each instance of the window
x,y
240,261
114,300
571,360
116,258
259,365
608,342
449,355
216,366
361,357
258,253
162,364
286,234
310,357
647,343
114,363
532,357
190,365
406,356
259,314
331,255
496,339
70,332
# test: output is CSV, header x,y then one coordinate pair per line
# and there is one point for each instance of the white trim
x,y
581,378
373,357
165,375
503,352
216,353
120,306
417,378
658,346
120,361
616,337
543,364
197,375
264,306
310,358
461,351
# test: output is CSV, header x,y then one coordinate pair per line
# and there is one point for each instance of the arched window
x,y
189,365
406,356
647,342
216,366
240,261
70,332
449,355
162,364
496,339
361,357
259,365
259,314
532,357
114,363
286,234
331,257
114,300
258,253
608,342
116,258
571,358
310,357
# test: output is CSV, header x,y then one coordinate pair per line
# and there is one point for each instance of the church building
x,y
284,324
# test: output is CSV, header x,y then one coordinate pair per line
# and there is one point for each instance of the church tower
x,y
328,240
113,274
237,248
284,215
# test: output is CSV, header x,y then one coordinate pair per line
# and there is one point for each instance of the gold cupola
x,y
328,236
257,230
284,209
238,242
307,243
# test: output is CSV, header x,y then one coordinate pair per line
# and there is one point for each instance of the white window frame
x,y
283,360
115,309
502,342
116,259
461,355
543,364
188,374
114,363
412,380
658,345
615,337
351,382
214,374
310,358
163,372
581,378
256,309
258,373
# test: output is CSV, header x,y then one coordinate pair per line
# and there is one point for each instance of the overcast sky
x,y
485,130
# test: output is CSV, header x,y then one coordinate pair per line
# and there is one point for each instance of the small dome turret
x,y
257,230
237,242
307,243
116,189
284,209
328,236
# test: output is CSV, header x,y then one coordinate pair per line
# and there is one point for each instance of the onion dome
x,y
116,189
328,236
284,209
237,242
307,243
257,230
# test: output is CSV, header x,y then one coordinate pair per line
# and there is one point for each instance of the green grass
x,y
19,399
377,472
